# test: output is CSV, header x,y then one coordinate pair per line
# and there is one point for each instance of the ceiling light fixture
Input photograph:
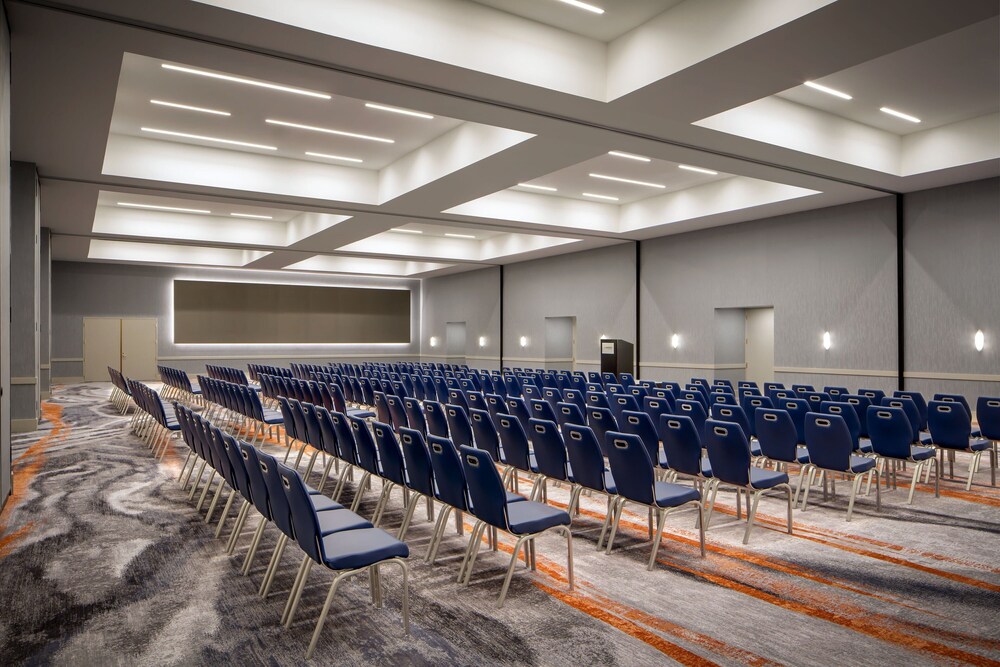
x,y
829,91
252,216
900,114
608,197
176,209
249,82
405,112
700,170
199,137
629,156
326,130
583,5
188,107
335,157
460,236
537,187
405,231
628,180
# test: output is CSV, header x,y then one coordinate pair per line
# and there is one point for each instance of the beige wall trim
x,y
66,360
476,358
964,377
835,371
23,380
23,425
45,394
44,367
700,367
73,379
291,357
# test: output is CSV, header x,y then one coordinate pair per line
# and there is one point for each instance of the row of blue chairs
x,y
153,420
121,395
256,370
239,403
227,374
177,384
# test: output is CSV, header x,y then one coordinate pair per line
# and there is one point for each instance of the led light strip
x,y
252,216
537,187
248,82
176,209
405,112
188,107
700,170
628,180
608,197
335,157
185,135
326,130
829,91
629,156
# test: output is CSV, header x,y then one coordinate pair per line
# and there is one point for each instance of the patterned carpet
x,y
103,561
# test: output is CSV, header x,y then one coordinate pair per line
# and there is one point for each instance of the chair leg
x,y
917,469
241,519
439,528
855,483
510,570
714,484
254,545
569,556
407,518
272,568
791,505
619,504
973,466
809,483
701,527
607,521
661,521
751,513
798,487
296,594
471,553
326,473
326,610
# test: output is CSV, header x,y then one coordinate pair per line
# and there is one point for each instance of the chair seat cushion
x,y
336,520
861,464
609,483
976,433
351,549
706,467
979,445
865,445
766,479
926,439
532,517
321,503
674,495
359,413
921,453
273,416
514,497
755,448
801,454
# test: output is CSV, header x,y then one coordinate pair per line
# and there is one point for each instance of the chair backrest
x,y
654,407
769,386
240,476
890,431
734,414
639,424
258,487
514,441
919,401
949,423
664,394
850,416
829,441
448,472
681,444
389,453
305,523
953,398
630,466
779,394
397,412
874,395
988,415
860,404
485,433
365,444
797,408
723,399
697,395
489,500
459,425
907,405
601,420
542,409
693,409
750,404
519,408
728,452
280,513
575,396
815,399
550,452
598,399
834,392
419,473
415,415
747,384
569,413
437,421
776,434
585,456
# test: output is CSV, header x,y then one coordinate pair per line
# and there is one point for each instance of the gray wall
x,y
829,269
116,290
6,470
730,343
596,286
952,273
24,300
472,298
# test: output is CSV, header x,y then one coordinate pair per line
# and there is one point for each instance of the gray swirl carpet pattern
x,y
103,561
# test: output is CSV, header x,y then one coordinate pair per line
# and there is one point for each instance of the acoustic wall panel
x,y
252,313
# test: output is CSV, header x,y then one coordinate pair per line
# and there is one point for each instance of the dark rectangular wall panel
x,y
248,313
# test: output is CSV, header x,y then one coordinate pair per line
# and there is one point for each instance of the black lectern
x,y
617,356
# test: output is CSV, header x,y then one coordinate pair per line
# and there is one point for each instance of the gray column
x,y
6,476
45,313
24,297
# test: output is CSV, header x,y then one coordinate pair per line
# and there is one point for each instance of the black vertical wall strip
x,y
900,293
501,317
638,282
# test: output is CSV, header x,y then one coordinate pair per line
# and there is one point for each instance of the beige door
x,y
102,347
139,348
760,344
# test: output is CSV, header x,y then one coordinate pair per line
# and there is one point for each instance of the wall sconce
x,y
826,340
979,340
482,341
434,341
523,341
604,336
675,341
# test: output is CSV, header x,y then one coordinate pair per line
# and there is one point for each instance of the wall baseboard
x,y
835,371
23,380
45,394
962,377
70,380
693,366
23,425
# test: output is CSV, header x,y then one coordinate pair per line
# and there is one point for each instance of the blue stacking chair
x,y
735,415
815,399
641,425
873,395
780,394
569,413
586,458
779,442
598,399
368,459
575,396
750,405
988,415
770,386
951,430
695,410
729,454
860,404
832,450
723,399
919,401
802,388
347,552
797,408
542,409
835,392
891,436
850,416
636,483
437,420
391,465
516,450
695,393
958,398
415,415
495,404
682,448
397,412
654,407
601,420
550,457
747,384
459,425
518,407
909,407
486,438
722,382
419,478
524,520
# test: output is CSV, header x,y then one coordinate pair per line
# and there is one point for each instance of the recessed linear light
x,y
628,180
700,170
252,216
405,112
583,5
326,130
629,156
460,236
537,187
176,209
608,197
829,91
185,135
335,157
900,114
188,107
405,231
249,82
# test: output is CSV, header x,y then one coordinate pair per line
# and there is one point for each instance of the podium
x,y
617,356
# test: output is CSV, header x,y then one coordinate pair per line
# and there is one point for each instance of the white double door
x,y
126,344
